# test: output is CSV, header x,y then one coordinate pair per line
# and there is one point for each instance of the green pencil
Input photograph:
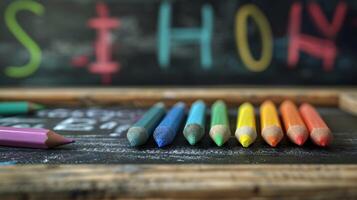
x,y
18,107
220,131
140,132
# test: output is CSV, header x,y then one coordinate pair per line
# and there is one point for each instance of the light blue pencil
x,y
195,125
166,131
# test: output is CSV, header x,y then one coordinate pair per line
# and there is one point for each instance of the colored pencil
x,y
319,131
246,129
166,131
18,107
220,131
7,163
271,128
294,124
195,125
140,132
31,137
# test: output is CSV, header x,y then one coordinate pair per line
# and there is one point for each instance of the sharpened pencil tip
x,y
160,143
273,141
245,140
35,106
218,139
136,136
191,139
300,140
193,133
69,140
321,137
323,142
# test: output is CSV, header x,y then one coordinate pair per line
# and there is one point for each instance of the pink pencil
x,y
31,137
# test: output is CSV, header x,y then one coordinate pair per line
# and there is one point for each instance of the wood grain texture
x,y
263,181
170,181
148,96
348,102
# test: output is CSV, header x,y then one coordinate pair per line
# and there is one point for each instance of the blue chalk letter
x,y
169,36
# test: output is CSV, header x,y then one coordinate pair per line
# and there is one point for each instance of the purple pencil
x,y
31,137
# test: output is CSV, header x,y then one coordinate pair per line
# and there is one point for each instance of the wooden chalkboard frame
x,y
180,181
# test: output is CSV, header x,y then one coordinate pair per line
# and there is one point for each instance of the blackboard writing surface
x,y
183,42
100,135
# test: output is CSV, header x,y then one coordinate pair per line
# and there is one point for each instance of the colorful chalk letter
x,y
242,42
323,48
103,24
169,36
14,27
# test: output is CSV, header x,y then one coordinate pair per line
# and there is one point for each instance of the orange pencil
x,y
294,125
271,128
319,131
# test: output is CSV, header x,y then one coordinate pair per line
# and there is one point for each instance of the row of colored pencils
x,y
300,124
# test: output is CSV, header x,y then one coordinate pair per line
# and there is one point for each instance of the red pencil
x,y
319,131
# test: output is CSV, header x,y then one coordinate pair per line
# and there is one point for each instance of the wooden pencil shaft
x,y
219,114
290,114
246,116
151,118
269,115
197,114
31,138
311,117
173,117
11,108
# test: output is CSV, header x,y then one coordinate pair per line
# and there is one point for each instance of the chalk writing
x,y
104,65
168,36
262,23
34,50
76,124
317,47
112,121
178,42
330,30
22,122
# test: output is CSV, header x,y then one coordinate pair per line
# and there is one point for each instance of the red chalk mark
x,y
80,61
316,47
103,24
324,49
326,28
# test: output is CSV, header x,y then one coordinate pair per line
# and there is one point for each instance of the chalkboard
x,y
182,42
100,135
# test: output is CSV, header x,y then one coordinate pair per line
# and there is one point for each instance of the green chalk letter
x,y
24,39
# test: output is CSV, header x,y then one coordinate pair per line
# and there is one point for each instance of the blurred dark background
x,y
66,43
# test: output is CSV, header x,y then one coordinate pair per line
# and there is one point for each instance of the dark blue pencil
x,y
166,131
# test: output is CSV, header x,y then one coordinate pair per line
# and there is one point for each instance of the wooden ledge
x,y
179,181
147,96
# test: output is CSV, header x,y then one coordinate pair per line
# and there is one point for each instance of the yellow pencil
x,y
246,129
271,128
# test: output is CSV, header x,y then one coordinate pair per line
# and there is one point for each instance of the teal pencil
x,y
195,125
18,107
140,132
